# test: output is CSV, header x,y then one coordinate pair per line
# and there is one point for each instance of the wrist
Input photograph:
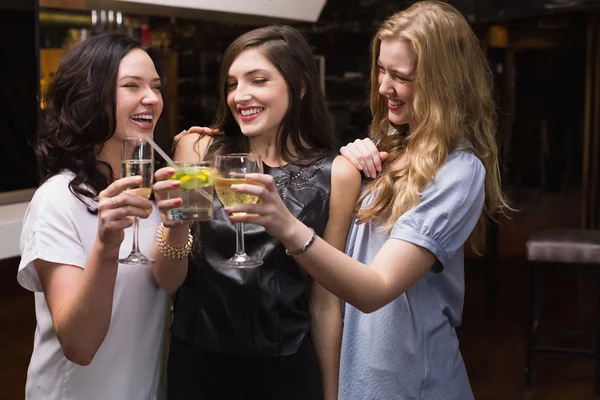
x,y
296,236
107,252
170,252
177,236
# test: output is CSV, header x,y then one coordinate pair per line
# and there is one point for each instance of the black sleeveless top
x,y
260,311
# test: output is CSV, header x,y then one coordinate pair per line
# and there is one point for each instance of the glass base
x,y
136,259
241,261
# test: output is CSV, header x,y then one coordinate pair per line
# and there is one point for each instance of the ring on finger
x,y
114,203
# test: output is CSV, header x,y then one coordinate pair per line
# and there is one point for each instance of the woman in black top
x,y
268,332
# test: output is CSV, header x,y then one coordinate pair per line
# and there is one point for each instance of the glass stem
x,y
239,239
136,235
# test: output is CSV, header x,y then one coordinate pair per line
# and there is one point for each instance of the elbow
x,y
369,302
79,356
368,307
165,285
169,288
169,284
77,350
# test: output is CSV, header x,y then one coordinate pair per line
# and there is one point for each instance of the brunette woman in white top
x,y
100,324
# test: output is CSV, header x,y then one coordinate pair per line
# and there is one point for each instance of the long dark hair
x,y
80,114
306,123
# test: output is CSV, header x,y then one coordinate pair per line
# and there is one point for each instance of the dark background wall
x,y
19,85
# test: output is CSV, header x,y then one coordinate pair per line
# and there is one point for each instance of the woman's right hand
x,y
115,207
363,154
162,185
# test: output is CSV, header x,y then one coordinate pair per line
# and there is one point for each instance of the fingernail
x,y
360,168
175,184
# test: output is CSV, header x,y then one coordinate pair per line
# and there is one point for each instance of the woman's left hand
x,y
200,130
269,212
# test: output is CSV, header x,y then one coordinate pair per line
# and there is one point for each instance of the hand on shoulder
x,y
365,156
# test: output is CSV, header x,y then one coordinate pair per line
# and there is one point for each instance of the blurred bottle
x,y
120,23
43,87
96,23
103,21
145,35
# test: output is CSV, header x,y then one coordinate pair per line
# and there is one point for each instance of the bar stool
x,y
560,251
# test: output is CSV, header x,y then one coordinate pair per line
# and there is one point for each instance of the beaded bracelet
x,y
169,252
303,248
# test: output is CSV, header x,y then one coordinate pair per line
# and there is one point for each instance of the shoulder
x,y
54,199
55,205
192,147
55,190
344,173
461,166
458,183
345,185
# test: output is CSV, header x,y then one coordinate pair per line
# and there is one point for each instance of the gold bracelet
x,y
303,248
169,252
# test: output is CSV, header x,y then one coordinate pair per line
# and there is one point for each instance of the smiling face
x,y
139,101
396,65
257,94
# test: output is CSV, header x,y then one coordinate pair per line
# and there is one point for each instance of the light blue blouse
x,y
408,350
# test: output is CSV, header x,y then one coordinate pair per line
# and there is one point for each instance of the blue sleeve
x,y
449,209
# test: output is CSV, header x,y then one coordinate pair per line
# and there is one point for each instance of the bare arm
x,y
397,265
326,327
80,300
171,274
439,224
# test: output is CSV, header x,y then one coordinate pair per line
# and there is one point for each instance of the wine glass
x,y
137,158
231,170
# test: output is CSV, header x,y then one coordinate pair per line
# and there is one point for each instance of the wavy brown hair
x,y
80,114
453,100
306,133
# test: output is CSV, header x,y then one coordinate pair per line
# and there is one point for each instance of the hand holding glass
x,y
231,169
137,158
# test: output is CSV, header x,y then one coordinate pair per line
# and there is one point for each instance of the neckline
x,y
277,167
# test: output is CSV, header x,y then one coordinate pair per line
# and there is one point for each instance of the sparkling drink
x,y
143,168
137,159
195,191
230,198
142,192
232,169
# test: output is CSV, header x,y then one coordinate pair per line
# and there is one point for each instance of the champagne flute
x,y
137,158
231,170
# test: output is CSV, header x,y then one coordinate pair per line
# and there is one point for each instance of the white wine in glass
x,y
230,198
137,158
231,170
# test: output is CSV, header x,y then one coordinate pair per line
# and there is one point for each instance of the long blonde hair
x,y
452,100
